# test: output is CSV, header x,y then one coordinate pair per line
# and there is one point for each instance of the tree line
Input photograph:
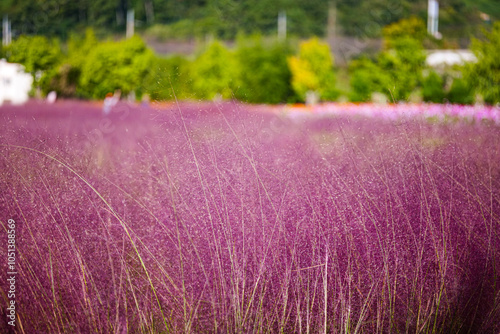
x,y
259,70
226,18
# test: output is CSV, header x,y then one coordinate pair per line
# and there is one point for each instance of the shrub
x,y
405,67
485,73
432,88
38,54
460,92
312,70
412,26
65,77
168,76
264,74
214,72
362,86
62,79
366,78
395,73
115,65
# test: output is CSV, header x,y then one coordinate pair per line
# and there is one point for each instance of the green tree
x,y
485,73
225,18
366,78
489,7
405,67
168,76
115,65
38,54
214,72
264,74
412,26
433,88
396,72
65,77
312,70
460,92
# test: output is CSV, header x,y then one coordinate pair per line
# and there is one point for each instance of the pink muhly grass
x,y
223,218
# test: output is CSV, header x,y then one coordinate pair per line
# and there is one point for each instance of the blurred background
x,y
259,51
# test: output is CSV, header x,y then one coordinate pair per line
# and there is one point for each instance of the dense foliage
x,y
254,71
264,74
312,70
258,70
214,72
461,92
396,72
115,65
433,88
400,73
36,53
485,73
222,219
224,18
169,78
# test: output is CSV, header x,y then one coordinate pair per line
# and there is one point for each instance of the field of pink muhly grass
x,y
227,218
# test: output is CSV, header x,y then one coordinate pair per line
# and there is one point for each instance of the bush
x,y
63,80
413,26
264,73
405,68
432,88
115,65
37,53
366,78
485,73
168,76
312,70
214,72
64,77
460,92
395,73
362,86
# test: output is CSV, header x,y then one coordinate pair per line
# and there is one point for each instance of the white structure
x,y
15,84
433,18
282,25
441,58
130,23
6,31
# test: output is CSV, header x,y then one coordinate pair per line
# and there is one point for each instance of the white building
x,y
443,58
15,84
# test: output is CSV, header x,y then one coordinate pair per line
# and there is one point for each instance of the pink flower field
x,y
231,218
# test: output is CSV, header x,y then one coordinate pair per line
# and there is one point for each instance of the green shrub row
x,y
436,88
256,70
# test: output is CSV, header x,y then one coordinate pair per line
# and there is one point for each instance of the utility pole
x,y
282,25
6,32
433,18
331,27
150,14
130,23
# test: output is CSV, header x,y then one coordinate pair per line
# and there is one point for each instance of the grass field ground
x,y
229,218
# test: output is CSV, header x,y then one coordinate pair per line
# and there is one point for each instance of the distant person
x,y
110,101
108,104
51,97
